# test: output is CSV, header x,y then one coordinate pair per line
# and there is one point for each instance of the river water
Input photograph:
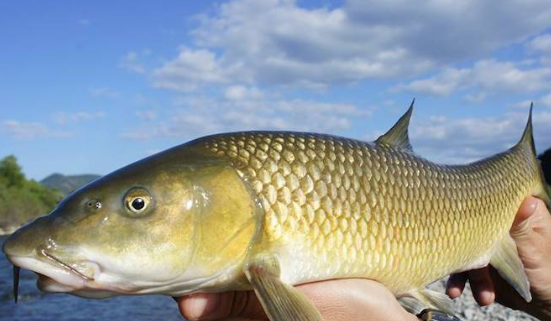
x,y
35,305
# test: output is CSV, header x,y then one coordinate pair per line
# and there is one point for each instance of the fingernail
x,y
532,206
453,292
487,297
199,306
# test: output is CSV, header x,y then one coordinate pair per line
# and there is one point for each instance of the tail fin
x,y
526,142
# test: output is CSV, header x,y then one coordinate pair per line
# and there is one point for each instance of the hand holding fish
x,y
347,299
532,234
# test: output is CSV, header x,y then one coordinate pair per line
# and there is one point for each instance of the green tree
x,y
22,200
10,172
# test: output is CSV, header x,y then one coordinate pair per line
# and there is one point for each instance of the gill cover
x,y
227,222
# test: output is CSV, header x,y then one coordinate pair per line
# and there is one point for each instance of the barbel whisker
x,y
16,271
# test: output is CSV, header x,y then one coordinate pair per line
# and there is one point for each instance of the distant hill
x,y
68,183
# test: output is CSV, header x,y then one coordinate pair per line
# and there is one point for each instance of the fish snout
x,y
31,238
60,268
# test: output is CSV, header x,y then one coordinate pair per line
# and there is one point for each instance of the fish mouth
x,y
54,274
66,266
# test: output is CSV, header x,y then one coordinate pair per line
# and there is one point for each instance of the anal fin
x,y
509,266
281,302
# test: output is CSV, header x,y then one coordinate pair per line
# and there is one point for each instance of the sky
x,y
90,86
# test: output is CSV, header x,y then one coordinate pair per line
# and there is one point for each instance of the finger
x,y
540,219
213,306
526,239
482,286
525,211
354,299
456,284
198,306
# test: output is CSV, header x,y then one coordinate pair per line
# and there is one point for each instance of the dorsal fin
x,y
527,139
398,136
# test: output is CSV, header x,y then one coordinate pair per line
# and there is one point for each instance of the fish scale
x,y
371,210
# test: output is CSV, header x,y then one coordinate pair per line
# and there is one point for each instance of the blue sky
x,y
87,87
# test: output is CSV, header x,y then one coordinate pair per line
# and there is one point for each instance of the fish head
x,y
172,223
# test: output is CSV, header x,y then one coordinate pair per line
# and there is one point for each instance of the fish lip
x,y
78,281
45,267
66,266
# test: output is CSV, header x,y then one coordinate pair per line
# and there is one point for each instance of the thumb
x,y
521,230
215,306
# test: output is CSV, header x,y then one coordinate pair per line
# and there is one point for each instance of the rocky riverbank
x,y
468,310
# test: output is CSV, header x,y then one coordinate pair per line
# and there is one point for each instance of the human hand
x,y
346,299
531,231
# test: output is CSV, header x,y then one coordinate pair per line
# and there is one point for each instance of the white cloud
x,y
132,61
542,45
30,130
525,104
442,84
452,31
240,93
74,117
190,69
464,140
486,76
545,100
279,42
253,110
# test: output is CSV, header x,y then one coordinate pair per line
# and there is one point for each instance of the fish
x,y
267,210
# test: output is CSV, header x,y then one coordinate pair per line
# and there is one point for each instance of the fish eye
x,y
137,201
138,204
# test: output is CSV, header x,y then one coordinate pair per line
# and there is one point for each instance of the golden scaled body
x,y
268,210
337,207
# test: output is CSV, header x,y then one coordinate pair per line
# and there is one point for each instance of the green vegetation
x,y
22,200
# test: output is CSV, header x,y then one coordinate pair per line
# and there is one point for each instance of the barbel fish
x,y
268,210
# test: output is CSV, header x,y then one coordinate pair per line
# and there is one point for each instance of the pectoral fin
x,y
419,300
281,301
509,266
